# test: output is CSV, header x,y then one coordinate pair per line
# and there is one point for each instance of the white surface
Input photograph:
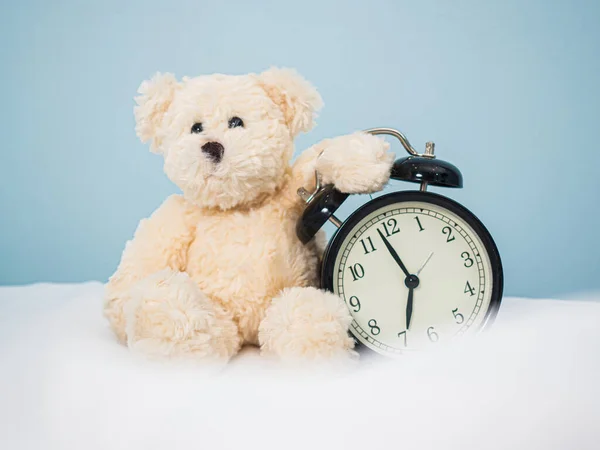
x,y
532,382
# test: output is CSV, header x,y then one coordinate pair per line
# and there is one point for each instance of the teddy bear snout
x,y
214,150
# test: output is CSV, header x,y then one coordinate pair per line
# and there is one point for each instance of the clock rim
x,y
329,257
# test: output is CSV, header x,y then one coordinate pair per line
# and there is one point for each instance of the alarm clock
x,y
414,268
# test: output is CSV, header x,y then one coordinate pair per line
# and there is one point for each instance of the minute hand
x,y
393,253
409,307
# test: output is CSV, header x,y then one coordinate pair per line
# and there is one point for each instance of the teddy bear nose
x,y
214,151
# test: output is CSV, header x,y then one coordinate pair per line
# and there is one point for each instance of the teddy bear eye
x,y
235,122
197,128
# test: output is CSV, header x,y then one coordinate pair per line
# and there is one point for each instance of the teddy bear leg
x,y
306,323
169,316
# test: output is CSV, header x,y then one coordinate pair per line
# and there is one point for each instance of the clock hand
x,y
393,253
409,308
424,264
411,281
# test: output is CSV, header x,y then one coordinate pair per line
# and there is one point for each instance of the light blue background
x,y
508,90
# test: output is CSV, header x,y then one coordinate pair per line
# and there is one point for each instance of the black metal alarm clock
x,y
414,268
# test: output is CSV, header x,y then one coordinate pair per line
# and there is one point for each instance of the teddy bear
x,y
220,266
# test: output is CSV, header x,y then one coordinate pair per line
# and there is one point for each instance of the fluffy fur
x,y
221,266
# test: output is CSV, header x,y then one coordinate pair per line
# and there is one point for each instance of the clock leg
x,y
305,323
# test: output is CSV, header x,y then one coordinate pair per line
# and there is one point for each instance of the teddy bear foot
x,y
307,324
169,316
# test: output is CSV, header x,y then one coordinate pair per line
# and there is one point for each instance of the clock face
x,y
414,269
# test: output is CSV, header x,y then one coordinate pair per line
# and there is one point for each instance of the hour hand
x,y
393,253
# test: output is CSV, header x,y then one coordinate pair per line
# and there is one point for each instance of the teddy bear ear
x,y
153,102
297,98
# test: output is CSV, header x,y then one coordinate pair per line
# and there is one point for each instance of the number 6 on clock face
x,y
415,269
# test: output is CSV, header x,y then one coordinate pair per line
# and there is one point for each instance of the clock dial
x,y
413,274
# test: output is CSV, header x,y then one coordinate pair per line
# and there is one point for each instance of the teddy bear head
x,y
226,140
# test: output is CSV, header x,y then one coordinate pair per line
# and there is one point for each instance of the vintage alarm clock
x,y
414,268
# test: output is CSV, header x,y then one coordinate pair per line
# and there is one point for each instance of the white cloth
x,y
532,382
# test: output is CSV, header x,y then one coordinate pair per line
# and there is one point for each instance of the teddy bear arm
x,y
303,173
160,242
357,163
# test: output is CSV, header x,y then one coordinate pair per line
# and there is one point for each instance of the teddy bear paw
x,y
359,163
169,316
307,324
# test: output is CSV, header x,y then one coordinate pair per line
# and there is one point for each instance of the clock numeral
x,y
355,304
469,289
393,225
375,330
357,271
403,334
368,245
467,257
448,231
432,335
419,223
458,316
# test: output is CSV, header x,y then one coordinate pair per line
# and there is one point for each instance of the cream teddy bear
x,y
220,266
